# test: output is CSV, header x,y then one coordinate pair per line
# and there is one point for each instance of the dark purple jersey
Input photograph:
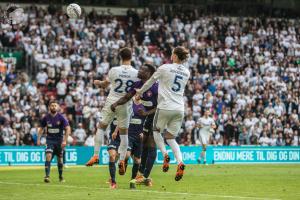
x,y
55,126
136,122
149,98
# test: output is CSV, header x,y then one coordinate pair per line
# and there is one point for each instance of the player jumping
x,y
54,124
149,101
121,79
170,110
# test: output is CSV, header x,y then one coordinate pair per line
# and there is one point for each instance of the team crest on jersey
x,y
149,93
58,123
49,124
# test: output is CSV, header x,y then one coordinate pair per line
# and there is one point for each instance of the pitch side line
x,y
146,191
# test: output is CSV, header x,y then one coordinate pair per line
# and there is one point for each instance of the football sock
x,y
112,171
64,156
203,156
135,169
150,161
160,142
47,168
176,149
98,140
123,146
60,169
143,160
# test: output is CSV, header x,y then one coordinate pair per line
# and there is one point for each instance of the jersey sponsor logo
x,y
53,130
135,121
147,103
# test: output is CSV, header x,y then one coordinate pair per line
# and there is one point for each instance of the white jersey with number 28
x,y
122,79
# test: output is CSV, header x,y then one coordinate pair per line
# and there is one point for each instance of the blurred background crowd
x,y
245,70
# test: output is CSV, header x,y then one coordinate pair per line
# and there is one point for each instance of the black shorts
x,y
113,144
135,146
55,149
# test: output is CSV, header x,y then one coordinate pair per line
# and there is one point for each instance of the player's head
x,y
146,71
125,54
207,113
53,107
179,54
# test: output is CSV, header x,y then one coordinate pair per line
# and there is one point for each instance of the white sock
x,y
99,137
176,149
159,142
123,146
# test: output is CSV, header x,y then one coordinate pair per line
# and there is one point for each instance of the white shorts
x,y
168,119
123,114
204,137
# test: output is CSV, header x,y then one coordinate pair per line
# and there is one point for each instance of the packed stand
x,y
245,70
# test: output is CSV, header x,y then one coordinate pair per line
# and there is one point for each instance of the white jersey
x,y
172,81
122,79
205,124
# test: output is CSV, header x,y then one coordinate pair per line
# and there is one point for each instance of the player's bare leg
x,y
123,150
99,137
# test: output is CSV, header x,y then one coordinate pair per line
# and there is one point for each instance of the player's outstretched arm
x,y
150,81
103,84
121,101
142,112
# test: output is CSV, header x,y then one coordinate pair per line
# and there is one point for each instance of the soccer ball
x,y
73,10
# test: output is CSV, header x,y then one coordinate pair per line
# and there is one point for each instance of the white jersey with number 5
x,y
172,81
122,79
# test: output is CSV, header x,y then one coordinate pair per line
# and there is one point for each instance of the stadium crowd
x,y
245,70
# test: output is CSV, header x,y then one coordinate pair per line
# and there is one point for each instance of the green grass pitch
x,y
199,182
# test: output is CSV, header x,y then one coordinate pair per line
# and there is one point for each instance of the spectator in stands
x,y
248,75
79,135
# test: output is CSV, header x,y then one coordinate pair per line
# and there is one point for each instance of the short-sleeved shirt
x,y
149,97
122,79
172,81
55,126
